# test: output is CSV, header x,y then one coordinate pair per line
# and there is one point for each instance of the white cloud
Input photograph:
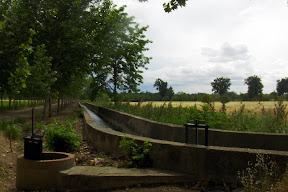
x,y
208,39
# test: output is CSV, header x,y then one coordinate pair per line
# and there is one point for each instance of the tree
x,y
221,85
118,58
170,93
282,86
161,86
255,87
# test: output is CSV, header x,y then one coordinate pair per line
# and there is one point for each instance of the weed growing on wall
x,y
261,176
136,155
61,137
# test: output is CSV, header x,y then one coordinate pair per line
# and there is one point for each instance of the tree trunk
x,y
11,127
46,105
9,103
58,108
50,106
1,101
62,102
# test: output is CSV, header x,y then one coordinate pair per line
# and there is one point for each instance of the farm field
x,y
254,106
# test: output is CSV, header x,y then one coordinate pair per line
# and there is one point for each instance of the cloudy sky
x,y
214,38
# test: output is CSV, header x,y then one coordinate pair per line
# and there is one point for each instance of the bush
x,y
16,129
137,155
61,137
20,120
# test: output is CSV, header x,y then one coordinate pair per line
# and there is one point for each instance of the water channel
x,y
102,123
97,119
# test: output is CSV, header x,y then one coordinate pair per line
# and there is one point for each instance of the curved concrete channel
x,y
90,178
218,164
97,119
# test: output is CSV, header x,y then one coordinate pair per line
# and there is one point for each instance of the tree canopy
x,y
255,87
221,85
282,86
161,86
50,46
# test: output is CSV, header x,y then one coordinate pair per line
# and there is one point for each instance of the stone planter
x,y
44,173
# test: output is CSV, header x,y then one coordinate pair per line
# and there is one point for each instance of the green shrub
x,y
3,125
16,129
78,113
20,120
137,155
62,137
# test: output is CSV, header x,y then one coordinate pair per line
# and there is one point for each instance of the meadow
x,y
268,116
256,107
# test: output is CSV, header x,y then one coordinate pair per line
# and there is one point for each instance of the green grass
x,y
2,176
17,128
18,104
241,120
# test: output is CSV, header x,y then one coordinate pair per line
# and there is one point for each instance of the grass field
x,y
18,104
253,106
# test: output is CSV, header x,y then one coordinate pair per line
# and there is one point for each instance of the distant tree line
x,y
220,89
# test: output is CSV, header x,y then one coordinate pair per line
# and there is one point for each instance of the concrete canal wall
x,y
127,123
215,163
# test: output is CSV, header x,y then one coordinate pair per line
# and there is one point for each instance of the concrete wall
x,y
143,127
218,164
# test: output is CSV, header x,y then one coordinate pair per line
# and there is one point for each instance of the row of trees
x,y
49,47
182,96
255,87
220,89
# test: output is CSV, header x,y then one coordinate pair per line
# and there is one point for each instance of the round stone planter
x,y
44,173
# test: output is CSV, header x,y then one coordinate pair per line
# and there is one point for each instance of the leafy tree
x,y
119,57
255,87
161,86
221,85
170,93
282,86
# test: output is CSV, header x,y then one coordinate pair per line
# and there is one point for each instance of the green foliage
x,y
2,175
221,85
20,120
241,120
62,137
118,59
165,93
255,87
173,5
78,113
16,131
280,110
137,155
282,86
